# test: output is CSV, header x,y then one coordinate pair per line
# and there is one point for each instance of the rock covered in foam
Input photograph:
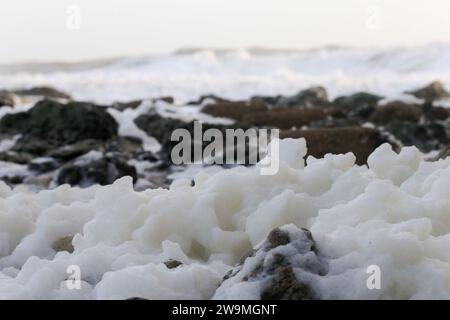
x,y
281,268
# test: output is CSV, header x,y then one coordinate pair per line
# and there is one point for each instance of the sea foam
x,y
395,214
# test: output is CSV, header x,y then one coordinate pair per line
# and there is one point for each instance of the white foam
x,y
394,215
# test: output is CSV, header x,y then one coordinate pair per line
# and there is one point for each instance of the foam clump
x,y
393,214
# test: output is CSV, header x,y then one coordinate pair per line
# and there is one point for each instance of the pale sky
x,y
46,30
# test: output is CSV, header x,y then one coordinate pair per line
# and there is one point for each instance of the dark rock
x,y
6,99
103,171
161,129
426,137
136,298
284,266
63,244
396,111
35,147
233,110
433,91
121,106
46,92
268,100
312,97
12,156
72,151
61,124
172,264
127,147
12,180
43,165
360,105
440,113
361,141
285,118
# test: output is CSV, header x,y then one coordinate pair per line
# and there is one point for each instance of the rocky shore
x,y
56,140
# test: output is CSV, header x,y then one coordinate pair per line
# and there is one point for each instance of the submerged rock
x,y
361,141
284,267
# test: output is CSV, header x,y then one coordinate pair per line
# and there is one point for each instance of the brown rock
x,y
440,113
396,111
361,141
172,264
234,110
63,244
6,99
285,118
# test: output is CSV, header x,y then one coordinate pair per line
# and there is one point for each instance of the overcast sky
x,y
52,30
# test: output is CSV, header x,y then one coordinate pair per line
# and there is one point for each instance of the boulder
x,y
61,124
396,111
284,267
361,141
233,110
285,118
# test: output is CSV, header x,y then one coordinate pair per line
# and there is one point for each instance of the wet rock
x,y
61,124
63,244
433,91
34,147
285,118
361,141
312,97
426,137
360,105
6,99
284,267
233,110
86,171
72,151
43,165
396,111
127,147
440,113
121,106
172,264
443,154
161,129
46,92
16,157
